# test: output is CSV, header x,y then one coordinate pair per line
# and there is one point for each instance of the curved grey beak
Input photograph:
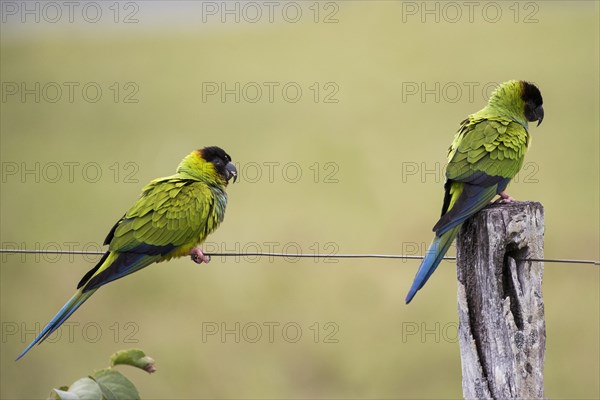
x,y
231,172
539,113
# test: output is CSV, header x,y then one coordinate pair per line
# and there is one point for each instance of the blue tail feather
x,y
120,265
65,312
433,257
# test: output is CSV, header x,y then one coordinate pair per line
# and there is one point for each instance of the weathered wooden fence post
x,y
502,332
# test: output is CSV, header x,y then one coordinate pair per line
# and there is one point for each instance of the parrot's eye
x,y
217,161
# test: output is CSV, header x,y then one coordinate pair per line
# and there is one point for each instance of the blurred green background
x,y
371,160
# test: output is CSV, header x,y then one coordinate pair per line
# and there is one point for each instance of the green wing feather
x,y
485,154
172,212
495,147
172,216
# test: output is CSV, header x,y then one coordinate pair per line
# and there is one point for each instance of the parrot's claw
x,y
198,256
504,198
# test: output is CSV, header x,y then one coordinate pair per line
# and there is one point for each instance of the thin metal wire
x,y
293,255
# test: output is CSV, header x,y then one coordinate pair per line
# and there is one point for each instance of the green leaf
x,y
134,357
54,395
114,385
82,389
62,395
86,389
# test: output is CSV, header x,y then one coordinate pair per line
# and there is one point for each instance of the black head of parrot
x,y
221,161
532,97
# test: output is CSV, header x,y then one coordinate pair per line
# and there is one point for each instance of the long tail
x,y
69,308
112,266
433,257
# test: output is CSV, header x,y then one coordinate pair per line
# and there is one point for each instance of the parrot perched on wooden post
x,y
486,153
170,219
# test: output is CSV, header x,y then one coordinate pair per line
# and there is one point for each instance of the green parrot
x,y
170,219
487,152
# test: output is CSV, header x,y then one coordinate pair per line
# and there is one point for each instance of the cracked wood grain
x,y
502,332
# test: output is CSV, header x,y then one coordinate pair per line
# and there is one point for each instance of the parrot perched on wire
x,y
170,219
486,153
